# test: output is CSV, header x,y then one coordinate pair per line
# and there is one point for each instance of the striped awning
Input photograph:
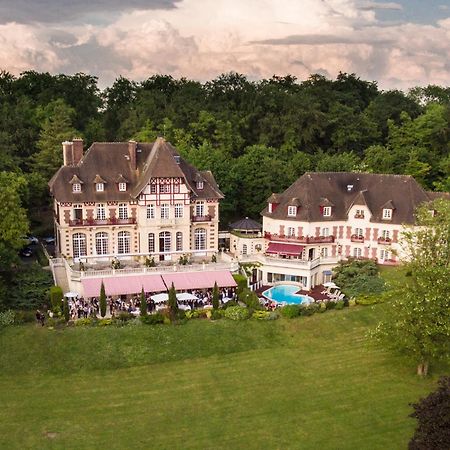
x,y
199,280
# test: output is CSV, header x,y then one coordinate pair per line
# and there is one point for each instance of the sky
x,y
399,44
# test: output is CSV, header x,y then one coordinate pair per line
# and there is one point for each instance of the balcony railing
x,y
206,218
300,239
100,222
384,241
356,238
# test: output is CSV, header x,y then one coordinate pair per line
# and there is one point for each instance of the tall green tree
x,y
172,302
143,304
102,300
419,321
215,296
56,128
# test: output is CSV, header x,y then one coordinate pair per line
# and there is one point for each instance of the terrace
x,y
300,239
101,222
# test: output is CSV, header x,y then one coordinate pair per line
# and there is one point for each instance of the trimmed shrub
x,y
80,322
24,316
143,305
322,307
339,304
153,319
352,302
237,313
250,299
229,304
313,308
123,317
104,322
215,296
102,300
241,282
330,304
56,295
216,314
7,318
290,311
261,315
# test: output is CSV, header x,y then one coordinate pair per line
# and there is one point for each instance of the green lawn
x,y
309,383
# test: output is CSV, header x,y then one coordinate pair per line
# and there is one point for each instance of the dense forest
x,y
256,136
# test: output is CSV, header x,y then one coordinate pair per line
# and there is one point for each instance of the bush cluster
x,y
291,311
237,313
7,318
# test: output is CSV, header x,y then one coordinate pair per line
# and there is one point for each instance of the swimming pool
x,y
286,293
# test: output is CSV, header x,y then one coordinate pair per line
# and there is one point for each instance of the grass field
x,y
309,383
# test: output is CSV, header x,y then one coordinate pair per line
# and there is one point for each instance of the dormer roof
x,y
75,180
99,179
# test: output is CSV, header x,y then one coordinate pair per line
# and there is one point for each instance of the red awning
x,y
132,284
199,280
279,248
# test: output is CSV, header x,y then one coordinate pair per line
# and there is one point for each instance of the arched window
x,y
179,241
123,242
101,243
151,242
200,239
165,241
79,245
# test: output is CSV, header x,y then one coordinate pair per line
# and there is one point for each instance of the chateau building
x,y
323,218
129,200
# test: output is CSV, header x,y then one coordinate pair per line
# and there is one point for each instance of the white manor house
x,y
323,218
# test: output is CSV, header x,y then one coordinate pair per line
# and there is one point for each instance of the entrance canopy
x,y
199,280
123,285
280,248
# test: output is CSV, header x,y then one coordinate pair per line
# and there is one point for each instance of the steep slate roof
x,y
246,224
401,192
111,162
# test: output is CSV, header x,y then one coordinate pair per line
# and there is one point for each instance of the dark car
x,y
49,240
26,252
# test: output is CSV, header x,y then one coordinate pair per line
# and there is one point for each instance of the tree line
x,y
257,137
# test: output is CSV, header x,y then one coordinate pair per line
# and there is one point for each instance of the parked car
x,y
26,252
49,240
30,240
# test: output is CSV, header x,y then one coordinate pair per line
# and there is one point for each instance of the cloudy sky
x,y
400,44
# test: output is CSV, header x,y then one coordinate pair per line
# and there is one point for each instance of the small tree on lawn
x,y
66,310
143,306
172,302
56,296
433,415
418,324
102,300
215,296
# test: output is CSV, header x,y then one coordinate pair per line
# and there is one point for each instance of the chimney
x,y
77,149
132,153
67,153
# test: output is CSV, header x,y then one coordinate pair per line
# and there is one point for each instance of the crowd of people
x,y
82,308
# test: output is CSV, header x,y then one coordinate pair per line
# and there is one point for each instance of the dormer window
x,y
122,187
292,211
200,185
326,212
99,187
76,187
270,207
387,214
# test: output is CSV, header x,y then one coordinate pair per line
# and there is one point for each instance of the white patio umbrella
x,y
186,296
160,298
71,295
330,284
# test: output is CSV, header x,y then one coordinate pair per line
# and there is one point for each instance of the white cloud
x,y
369,5
202,38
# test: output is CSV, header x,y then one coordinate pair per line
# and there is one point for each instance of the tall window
x,y
325,232
326,211
150,211
292,211
165,211
357,252
123,242
151,242
178,210
123,211
179,241
291,231
385,234
176,188
359,232
324,252
200,209
101,243
79,245
200,239
153,189
78,212
165,241
387,213
101,211
384,254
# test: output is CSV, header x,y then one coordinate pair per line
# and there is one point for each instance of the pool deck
x,y
315,293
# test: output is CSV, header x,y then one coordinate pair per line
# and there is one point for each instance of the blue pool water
x,y
286,293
